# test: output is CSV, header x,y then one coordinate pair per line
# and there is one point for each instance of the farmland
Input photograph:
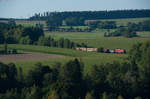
x,y
94,39
89,58
118,22
97,39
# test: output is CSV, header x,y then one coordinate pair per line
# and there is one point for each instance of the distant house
x,y
92,49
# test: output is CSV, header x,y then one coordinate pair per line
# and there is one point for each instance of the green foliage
x,y
53,23
73,21
5,48
120,97
61,43
53,95
102,24
34,93
126,32
97,75
1,37
107,25
104,96
45,41
36,76
33,32
7,73
139,56
12,94
11,23
25,40
101,49
70,80
11,34
89,96
137,98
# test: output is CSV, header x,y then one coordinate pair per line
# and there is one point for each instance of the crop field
x,y
28,56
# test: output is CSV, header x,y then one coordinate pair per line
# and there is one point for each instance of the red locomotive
x,y
120,51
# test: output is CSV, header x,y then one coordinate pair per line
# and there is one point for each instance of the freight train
x,y
117,51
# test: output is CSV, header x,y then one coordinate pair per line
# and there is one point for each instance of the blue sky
x,y
26,8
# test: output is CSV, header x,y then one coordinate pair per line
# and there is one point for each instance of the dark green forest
x,y
78,18
118,80
91,15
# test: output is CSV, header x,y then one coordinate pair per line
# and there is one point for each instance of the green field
x,y
27,23
75,35
111,42
144,34
88,58
94,39
97,39
30,23
80,27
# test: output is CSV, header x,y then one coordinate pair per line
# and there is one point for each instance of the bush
x,y
14,51
101,49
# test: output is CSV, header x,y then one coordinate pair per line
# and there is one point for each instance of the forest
x,y
91,15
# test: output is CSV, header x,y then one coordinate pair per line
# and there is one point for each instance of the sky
x,y
27,8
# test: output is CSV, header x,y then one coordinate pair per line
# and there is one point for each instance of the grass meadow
x,y
97,39
88,58
30,23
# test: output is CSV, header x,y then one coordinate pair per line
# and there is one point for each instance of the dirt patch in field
x,y
28,56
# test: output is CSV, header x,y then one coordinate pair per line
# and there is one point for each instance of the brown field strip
x,y
28,57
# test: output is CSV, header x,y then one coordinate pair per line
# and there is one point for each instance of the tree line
x,y
117,80
17,34
60,43
79,18
11,33
73,17
130,30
